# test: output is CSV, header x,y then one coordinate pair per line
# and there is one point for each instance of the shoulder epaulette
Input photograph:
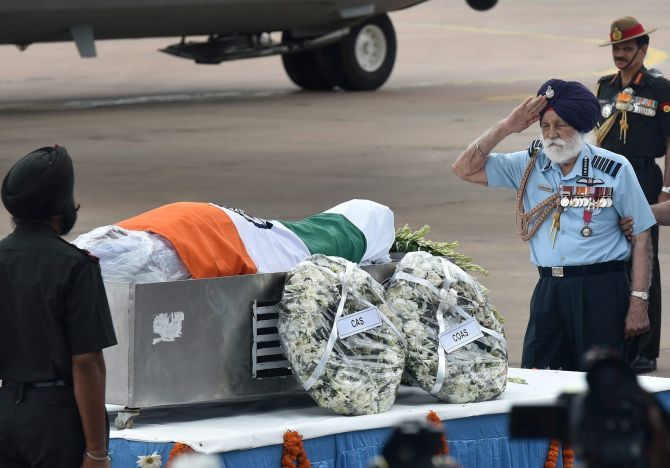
x,y
607,165
535,147
655,73
85,252
606,78
91,256
658,83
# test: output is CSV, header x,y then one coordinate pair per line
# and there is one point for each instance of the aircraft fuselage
x,y
23,22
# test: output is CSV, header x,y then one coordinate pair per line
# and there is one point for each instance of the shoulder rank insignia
x,y
655,72
535,147
92,257
608,166
84,251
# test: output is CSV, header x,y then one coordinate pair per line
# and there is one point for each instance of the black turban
x,y
573,103
40,184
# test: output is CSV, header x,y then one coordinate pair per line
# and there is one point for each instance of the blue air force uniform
x,y
582,296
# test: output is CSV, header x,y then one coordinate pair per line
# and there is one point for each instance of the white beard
x,y
561,151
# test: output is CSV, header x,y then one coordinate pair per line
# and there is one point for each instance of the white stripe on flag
x,y
376,223
274,249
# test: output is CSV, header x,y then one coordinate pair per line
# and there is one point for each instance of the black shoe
x,y
643,365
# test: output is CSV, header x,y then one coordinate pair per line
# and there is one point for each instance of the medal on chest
x,y
587,216
625,102
606,111
587,197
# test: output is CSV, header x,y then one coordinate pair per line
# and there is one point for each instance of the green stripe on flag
x,y
330,234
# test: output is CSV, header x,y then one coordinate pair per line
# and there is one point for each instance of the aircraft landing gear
x,y
311,69
362,61
481,5
367,55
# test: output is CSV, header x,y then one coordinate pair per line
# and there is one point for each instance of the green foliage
x,y
517,380
407,240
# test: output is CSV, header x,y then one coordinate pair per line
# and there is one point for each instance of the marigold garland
x,y
294,451
568,457
552,455
434,419
177,450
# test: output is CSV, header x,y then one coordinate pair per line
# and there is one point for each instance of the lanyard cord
x,y
537,214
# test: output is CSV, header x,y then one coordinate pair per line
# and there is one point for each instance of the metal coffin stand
x,y
198,341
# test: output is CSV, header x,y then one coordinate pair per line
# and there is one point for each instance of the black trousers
x,y
648,344
42,431
570,315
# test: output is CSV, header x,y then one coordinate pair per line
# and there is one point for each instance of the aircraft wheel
x,y
481,5
310,69
367,55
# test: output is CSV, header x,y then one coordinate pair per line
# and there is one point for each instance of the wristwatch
x,y
644,295
665,189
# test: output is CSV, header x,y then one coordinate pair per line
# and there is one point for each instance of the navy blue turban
x,y
573,103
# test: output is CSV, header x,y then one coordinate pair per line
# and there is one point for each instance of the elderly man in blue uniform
x,y
570,197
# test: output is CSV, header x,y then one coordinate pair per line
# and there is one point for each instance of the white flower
x,y
150,461
363,371
475,372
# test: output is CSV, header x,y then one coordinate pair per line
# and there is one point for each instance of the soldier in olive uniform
x,y
54,323
635,122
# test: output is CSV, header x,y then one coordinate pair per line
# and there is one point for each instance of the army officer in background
x,y
635,122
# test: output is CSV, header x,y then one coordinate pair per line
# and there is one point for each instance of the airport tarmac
x,y
146,129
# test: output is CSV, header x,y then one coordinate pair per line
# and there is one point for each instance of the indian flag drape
x,y
214,240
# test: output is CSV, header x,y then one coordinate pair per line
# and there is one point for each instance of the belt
x,y
581,270
642,163
50,383
19,387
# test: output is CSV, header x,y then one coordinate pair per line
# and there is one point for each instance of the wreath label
x,y
460,335
359,322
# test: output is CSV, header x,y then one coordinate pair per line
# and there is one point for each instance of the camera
x,y
413,445
608,425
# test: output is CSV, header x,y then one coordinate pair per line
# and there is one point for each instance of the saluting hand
x,y
525,114
637,318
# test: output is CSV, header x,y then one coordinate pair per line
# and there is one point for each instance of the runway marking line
x,y
654,56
